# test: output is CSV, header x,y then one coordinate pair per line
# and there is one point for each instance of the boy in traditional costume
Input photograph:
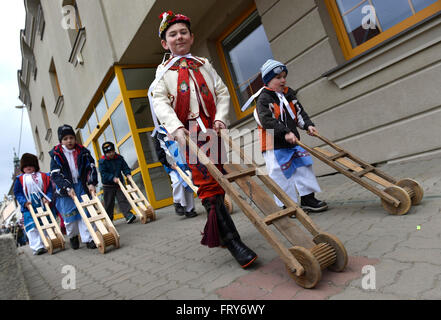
x,y
112,166
74,173
32,188
279,114
188,94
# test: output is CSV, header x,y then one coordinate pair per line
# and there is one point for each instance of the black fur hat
x,y
29,160
65,130
107,147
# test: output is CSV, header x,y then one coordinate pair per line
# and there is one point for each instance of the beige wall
x,y
382,107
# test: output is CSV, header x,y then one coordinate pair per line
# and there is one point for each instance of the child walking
x,y
188,94
74,173
112,166
170,157
279,114
32,188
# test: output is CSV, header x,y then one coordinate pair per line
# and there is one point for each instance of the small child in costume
x,y
32,188
112,166
188,95
170,157
279,112
74,173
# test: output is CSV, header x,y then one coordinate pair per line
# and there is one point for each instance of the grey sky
x,y
12,19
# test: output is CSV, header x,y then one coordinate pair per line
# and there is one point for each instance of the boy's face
x,y
28,169
69,141
278,83
178,39
110,154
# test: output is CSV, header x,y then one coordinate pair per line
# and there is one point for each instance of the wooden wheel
x,y
401,195
50,248
341,260
62,242
101,246
228,204
313,272
115,236
413,188
144,216
151,213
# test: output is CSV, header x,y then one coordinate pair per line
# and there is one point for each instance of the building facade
x,y
366,71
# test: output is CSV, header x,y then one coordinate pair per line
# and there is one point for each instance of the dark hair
x,y
164,33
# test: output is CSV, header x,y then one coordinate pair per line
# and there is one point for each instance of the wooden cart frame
x,y
54,238
309,254
106,234
138,201
398,195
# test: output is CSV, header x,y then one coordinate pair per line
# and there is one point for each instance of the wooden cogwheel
x,y
340,250
415,190
313,272
401,195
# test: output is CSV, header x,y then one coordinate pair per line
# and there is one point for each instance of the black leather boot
x,y
230,236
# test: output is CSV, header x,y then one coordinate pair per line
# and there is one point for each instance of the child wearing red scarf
x,y
189,97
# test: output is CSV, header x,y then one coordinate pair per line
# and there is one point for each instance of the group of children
x,y
188,94
73,173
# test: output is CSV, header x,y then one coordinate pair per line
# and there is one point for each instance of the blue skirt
x,y
66,206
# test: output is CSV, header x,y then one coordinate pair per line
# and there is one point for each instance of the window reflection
x,y
244,64
161,183
112,91
142,112
127,150
120,123
139,79
101,109
148,147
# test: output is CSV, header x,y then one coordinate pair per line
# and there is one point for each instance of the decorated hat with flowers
x,y
168,19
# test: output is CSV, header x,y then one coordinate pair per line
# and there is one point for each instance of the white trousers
x,y
35,241
78,227
180,194
302,181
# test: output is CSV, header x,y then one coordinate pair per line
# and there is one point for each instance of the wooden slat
x,y
338,156
239,174
278,215
92,211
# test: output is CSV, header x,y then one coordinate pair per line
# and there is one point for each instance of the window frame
x,y
223,59
343,37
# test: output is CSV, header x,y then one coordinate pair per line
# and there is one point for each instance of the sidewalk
x,y
164,260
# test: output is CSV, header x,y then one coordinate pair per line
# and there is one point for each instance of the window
x,y
120,123
39,146
363,24
54,80
237,49
47,126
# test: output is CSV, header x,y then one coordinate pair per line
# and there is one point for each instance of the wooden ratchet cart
x,y
138,201
186,178
398,195
310,254
106,234
54,238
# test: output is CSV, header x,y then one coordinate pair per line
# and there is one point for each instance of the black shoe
x,y
191,214
91,245
75,243
310,203
40,251
180,210
131,219
244,255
